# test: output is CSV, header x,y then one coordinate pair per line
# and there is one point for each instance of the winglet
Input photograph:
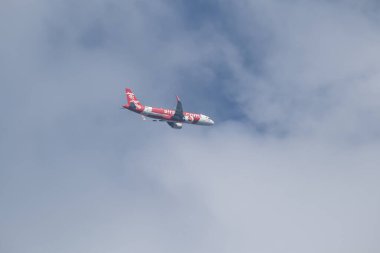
x,y
178,99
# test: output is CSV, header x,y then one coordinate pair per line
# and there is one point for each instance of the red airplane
x,y
175,119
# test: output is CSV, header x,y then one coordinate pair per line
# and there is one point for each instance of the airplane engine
x,y
175,125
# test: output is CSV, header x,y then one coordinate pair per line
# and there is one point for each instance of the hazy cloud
x,y
291,164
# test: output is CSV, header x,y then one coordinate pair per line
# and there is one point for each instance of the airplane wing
x,y
175,125
178,115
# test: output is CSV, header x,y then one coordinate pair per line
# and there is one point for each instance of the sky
x,y
291,165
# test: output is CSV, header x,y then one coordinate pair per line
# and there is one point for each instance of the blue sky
x,y
291,164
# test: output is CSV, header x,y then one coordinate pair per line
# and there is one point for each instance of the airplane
x,y
174,118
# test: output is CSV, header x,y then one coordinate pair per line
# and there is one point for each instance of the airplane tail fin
x,y
131,98
133,103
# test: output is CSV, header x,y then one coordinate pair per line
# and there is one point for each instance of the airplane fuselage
x,y
167,115
175,118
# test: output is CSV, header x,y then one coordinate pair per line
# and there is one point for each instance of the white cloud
x,y
270,195
297,174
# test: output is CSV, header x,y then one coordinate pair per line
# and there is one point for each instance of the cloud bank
x,y
291,166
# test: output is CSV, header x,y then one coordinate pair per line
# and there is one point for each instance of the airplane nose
x,y
212,122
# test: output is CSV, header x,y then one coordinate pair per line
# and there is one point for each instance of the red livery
x,y
174,118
